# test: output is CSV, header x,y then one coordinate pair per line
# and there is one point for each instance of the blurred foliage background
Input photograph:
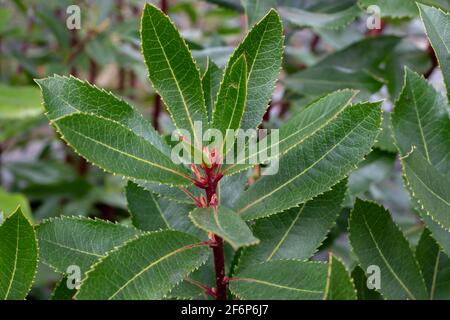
x,y
327,47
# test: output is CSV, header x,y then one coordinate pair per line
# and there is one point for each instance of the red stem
x,y
218,253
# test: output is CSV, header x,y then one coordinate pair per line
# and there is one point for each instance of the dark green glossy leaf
x,y
150,266
144,209
281,280
79,241
296,233
437,23
339,284
376,240
225,223
173,71
262,48
318,163
18,256
117,149
435,267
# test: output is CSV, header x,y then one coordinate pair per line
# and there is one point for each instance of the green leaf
x,y
62,292
230,188
79,241
376,240
405,54
225,223
401,8
173,71
263,49
428,187
292,133
296,233
10,201
441,235
144,209
256,9
435,267
65,96
315,165
18,103
335,20
356,66
230,107
436,23
150,267
177,215
170,192
281,280
117,149
18,257
339,284
360,281
393,8
420,118
211,84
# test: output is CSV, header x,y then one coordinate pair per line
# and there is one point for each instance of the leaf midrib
x,y
333,118
304,171
431,24
73,249
426,187
419,122
126,154
236,102
154,263
276,285
285,235
435,273
385,260
176,82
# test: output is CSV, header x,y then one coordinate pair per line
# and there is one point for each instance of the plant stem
x,y
219,256
219,267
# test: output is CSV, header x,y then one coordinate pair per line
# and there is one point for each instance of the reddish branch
x,y
164,4
207,178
